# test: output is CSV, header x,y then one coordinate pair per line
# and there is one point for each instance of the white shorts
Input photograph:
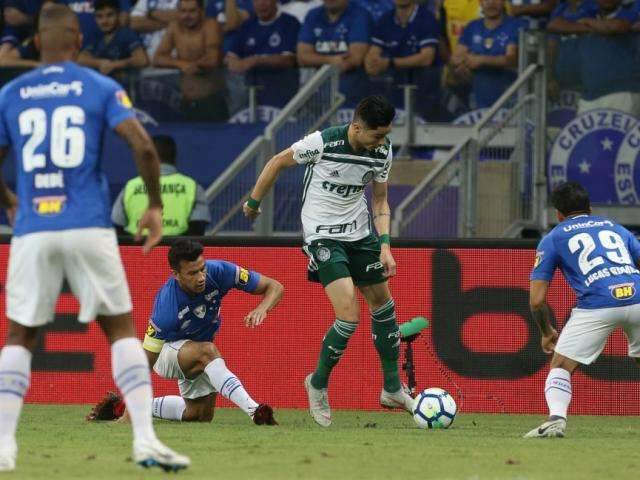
x,y
167,367
89,258
585,335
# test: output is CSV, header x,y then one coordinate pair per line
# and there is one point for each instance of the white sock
x,y
15,373
229,386
557,391
170,407
131,373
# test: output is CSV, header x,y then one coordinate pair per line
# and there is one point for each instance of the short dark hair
x,y
570,197
375,111
100,4
183,250
166,147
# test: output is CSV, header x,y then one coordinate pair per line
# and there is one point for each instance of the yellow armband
x,y
151,343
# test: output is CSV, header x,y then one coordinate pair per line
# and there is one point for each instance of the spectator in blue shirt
x,y
118,49
21,53
405,50
19,18
564,65
607,56
338,33
18,26
533,13
264,50
487,53
376,8
85,10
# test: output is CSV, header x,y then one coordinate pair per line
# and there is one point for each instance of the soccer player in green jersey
x,y
345,255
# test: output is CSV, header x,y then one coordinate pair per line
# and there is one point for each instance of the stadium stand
x,y
238,63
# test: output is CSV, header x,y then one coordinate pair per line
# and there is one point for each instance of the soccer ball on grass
x,y
434,408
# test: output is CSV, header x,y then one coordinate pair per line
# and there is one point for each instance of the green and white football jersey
x,y
333,201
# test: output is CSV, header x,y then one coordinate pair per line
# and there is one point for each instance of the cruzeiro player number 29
x,y
611,245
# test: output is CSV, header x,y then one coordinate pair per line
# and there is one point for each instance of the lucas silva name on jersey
x,y
612,272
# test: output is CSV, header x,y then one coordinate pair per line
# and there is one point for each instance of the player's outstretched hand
x,y
388,262
549,341
249,212
255,317
151,220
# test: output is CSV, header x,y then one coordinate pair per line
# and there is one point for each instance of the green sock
x,y
333,345
386,337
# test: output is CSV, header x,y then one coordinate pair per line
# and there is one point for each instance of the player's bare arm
x,y
152,357
272,291
267,178
148,165
542,315
8,199
382,221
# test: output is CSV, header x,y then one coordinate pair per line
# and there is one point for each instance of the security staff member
x,y
185,207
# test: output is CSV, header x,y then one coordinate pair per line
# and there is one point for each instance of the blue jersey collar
x,y
412,17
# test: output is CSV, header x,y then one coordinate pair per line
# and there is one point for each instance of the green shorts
x,y
330,260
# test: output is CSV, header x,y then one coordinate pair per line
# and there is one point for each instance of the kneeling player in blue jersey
x,y
183,323
599,260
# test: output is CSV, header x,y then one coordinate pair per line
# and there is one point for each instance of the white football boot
x,y
549,429
8,454
399,399
318,403
156,454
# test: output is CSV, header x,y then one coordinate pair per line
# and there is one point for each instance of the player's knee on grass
x,y
198,414
199,410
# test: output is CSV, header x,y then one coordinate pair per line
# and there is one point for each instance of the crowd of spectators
x,y
467,48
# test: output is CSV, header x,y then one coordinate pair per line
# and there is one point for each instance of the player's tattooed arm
x,y
8,199
382,221
541,314
267,178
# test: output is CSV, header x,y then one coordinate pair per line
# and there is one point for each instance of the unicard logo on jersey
x,y
589,224
51,90
623,291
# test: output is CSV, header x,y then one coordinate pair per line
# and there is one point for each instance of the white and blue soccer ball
x,y
434,408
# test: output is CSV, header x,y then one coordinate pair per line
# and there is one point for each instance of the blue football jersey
x,y
489,83
54,118
422,30
177,315
597,257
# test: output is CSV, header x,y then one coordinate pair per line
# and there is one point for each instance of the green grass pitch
x,y
56,443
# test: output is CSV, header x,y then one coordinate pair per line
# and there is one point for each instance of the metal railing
x,y
479,190
309,110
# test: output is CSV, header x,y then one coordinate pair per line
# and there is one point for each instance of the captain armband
x,y
151,343
154,345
